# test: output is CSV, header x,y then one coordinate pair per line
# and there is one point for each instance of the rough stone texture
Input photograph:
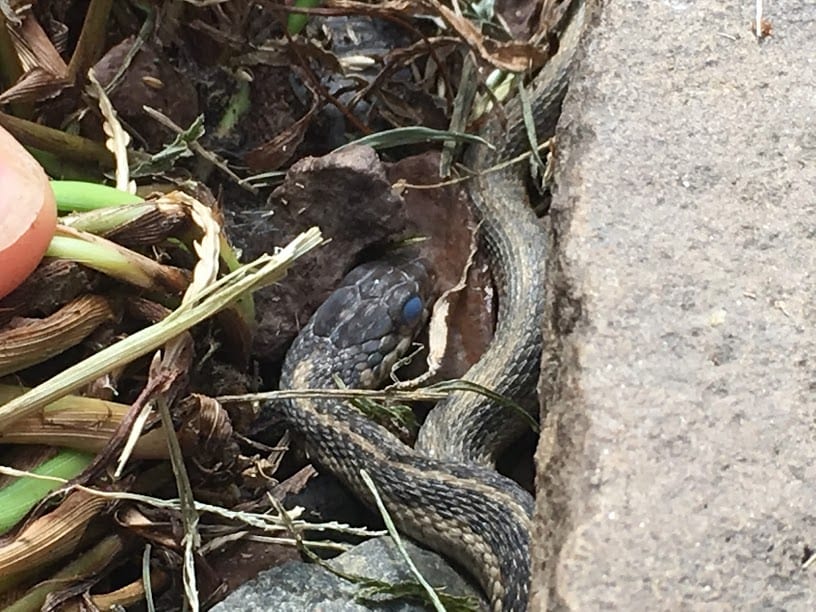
x,y
683,473
297,586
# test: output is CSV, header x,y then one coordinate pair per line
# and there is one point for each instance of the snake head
x,y
367,323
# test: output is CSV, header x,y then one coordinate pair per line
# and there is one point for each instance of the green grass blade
x,y
17,498
412,135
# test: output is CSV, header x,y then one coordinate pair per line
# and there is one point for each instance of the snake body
x,y
444,492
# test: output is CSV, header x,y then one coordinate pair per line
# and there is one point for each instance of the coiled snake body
x,y
445,492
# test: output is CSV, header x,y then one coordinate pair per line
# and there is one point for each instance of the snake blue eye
x,y
412,309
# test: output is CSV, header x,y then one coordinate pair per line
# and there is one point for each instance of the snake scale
x,y
444,492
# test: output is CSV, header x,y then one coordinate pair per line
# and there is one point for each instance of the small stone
x,y
295,586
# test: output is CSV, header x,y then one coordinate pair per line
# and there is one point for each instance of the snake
x,y
445,491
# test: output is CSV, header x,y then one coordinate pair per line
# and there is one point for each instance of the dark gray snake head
x,y
364,327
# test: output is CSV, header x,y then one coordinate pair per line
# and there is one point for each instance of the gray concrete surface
x,y
679,469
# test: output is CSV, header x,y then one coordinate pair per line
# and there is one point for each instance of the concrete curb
x,y
677,470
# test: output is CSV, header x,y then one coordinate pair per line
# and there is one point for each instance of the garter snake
x,y
445,492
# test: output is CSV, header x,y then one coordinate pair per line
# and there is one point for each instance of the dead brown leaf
x,y
31,341
157,531
54,283
45,74
129,595
513,56
51,536
82,423
206,434
274,153
149,224
463,320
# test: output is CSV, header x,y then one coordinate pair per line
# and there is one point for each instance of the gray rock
x,y
679,468
299,586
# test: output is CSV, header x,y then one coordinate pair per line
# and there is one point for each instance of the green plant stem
x,y
295,22
17,498
80,196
